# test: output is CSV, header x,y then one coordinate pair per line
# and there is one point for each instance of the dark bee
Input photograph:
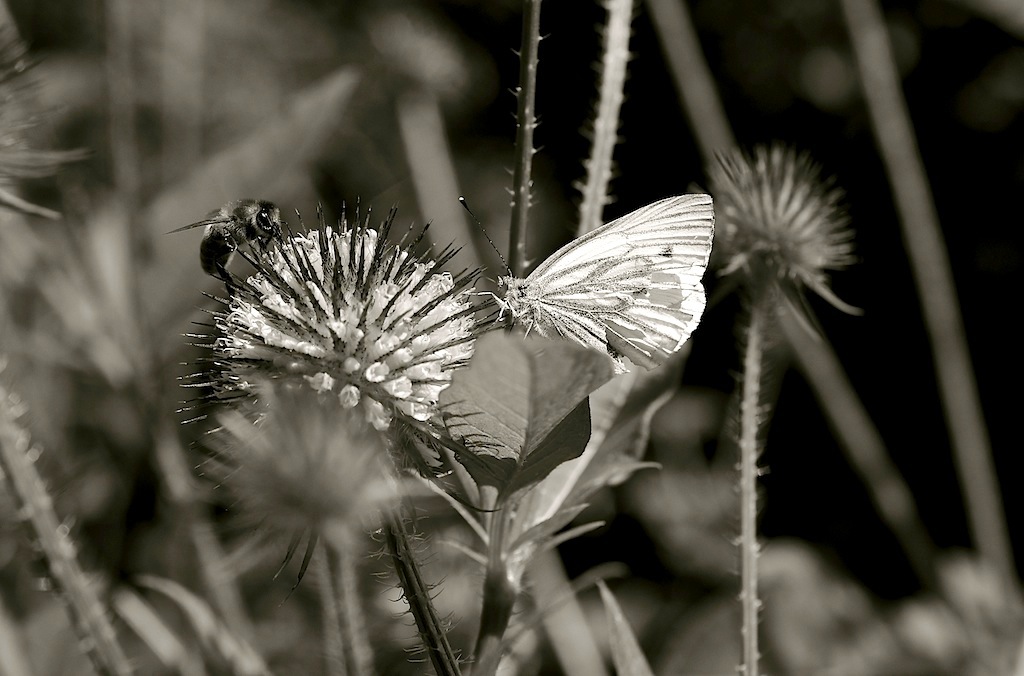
x,y
255,222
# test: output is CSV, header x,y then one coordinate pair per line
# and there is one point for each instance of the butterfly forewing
x,y
682,226
631,287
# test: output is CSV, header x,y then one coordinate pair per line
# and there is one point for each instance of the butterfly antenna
x,y
465,205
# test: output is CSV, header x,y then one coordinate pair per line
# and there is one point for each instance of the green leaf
x,y
629,660
521,407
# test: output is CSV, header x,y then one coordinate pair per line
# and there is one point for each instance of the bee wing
x,y
632,285
198,224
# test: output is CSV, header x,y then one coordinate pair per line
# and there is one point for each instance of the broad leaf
x,y
625,426
521,407
621,411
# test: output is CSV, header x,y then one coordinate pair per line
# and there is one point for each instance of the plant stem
x,y
335,663
183,50
566,624
615,56
121,101
499,600
12,201
863,447
821,368
749,451
929,261
218,581
526,122
353,619
97,637
417,594
694,83
14,660
345,622
429,158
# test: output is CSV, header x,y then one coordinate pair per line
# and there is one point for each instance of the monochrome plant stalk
x,y
334,645
929,262
499,599
417,594
526,122
816,359
749,443
780,231
498,595
614,59
96,634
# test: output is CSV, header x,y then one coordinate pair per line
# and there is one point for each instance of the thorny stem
x,y
526,122
929,261
749,424
417,594
96,634
613,79
831,385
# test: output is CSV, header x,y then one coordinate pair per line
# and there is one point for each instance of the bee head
x,y
261,219
268,221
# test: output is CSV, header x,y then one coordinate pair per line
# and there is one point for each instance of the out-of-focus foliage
x,y
182,106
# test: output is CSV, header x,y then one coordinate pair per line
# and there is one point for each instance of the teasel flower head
x,y
779,224
305,467
346,314
18,158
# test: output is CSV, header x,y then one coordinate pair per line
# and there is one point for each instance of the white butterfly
x,y
631,288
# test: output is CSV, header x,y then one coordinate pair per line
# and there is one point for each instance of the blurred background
x,y
179,107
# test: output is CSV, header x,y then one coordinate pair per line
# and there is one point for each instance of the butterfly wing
x,y
632,286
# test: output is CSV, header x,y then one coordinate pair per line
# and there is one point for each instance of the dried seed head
x,y
778,223
305,464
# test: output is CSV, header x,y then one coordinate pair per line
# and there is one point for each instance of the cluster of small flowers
x,y
347,313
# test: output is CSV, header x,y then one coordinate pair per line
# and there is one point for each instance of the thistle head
x,y
778,224
344,313
304,464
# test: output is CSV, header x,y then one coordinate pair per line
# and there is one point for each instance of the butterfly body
x,y
631,288
255,222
